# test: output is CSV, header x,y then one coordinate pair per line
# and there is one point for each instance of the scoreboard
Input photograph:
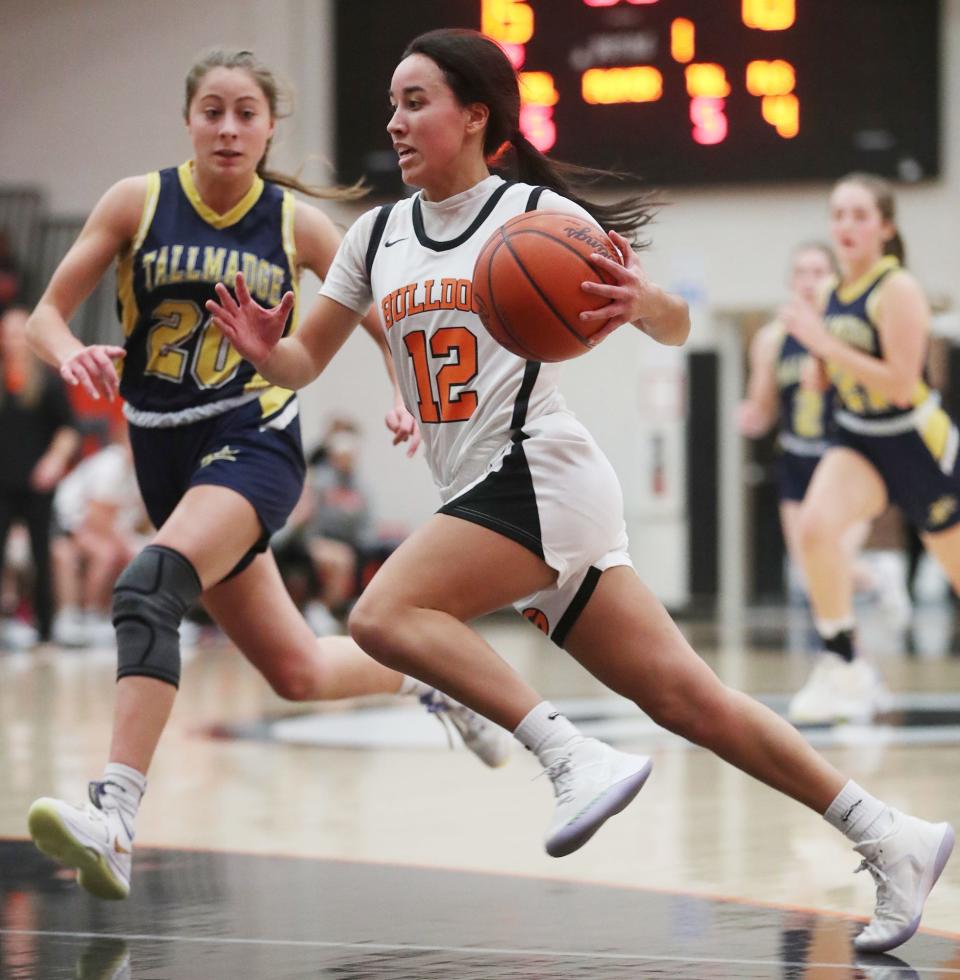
x,y
676,91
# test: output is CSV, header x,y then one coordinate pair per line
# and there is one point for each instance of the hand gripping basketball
x,y
529,285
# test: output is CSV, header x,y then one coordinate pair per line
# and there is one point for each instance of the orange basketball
x,y
526,284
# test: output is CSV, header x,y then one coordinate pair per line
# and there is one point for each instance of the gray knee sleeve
x,y
149,600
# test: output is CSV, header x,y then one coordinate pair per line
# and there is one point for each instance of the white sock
x,y
122,787
544,729
829,628
858,815
410,685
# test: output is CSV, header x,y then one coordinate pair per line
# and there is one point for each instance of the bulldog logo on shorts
x,y
538,618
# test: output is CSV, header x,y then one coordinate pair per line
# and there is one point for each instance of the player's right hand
x,y
253,330
93,368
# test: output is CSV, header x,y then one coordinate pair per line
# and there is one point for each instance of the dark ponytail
x,y
477,70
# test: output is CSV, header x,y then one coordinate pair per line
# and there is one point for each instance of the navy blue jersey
x,y
851,316
178,364
804,412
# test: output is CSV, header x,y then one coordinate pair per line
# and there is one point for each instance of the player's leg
x,y
945,548
625,638
412,617
255,610
38,513
207,534
846,491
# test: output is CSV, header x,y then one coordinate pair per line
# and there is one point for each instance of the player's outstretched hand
x,y
253,330
404,427
93,369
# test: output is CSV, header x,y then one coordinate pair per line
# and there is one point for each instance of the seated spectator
x,y
330,535
10,285
99,525
38,440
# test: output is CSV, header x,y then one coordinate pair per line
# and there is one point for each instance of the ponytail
x,y
477,70
627,215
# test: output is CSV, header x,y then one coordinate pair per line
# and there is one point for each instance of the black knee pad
x,y
149,600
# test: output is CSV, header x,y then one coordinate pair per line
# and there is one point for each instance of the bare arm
x,y
109,229
758,411
52,465
903,320
663,316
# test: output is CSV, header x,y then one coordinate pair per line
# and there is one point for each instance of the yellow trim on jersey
x,y
935,433
185,173
288,224
125,293
273,399
853,291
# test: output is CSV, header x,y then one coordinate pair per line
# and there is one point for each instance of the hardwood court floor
x,y
410,850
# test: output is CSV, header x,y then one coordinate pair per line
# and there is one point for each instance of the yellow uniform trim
x,y
290,247
128,301
185,173
852,291
273,399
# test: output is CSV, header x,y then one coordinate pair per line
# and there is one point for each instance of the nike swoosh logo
x,y
556,714
846,816
394,242
118,847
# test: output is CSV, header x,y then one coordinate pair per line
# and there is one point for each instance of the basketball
x,y
526,284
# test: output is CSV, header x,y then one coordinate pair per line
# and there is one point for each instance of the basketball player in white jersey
x,y
532,511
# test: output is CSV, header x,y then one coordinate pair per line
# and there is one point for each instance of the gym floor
x,y
348,841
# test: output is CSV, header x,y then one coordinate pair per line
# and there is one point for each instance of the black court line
x,y
209,915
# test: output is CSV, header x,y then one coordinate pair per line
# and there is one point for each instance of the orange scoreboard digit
x,y
699,91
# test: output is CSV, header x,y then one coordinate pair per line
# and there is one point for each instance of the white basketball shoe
x,y
95,841
905,864
837,691
591,783
490,743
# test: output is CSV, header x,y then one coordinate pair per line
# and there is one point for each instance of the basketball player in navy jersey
x,y
216,445
894,443
532,510
837,690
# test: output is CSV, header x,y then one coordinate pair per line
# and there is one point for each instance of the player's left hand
x,y
47,473
404,427
633,297
804,323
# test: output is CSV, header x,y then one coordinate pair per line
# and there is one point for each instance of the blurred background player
x,y
777,394
893,443
38,440
99,525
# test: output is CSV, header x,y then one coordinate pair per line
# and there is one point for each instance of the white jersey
x,y
468,393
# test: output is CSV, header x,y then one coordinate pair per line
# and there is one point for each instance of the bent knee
x,y
374,629
294,682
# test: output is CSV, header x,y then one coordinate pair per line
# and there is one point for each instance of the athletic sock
x,y
544,728
858,815
121,788
410,685
836,635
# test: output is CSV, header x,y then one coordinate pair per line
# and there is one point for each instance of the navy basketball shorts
x,y
920,470
553,491
237,450
794,473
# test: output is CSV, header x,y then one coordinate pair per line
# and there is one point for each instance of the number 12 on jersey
x,y
458,346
